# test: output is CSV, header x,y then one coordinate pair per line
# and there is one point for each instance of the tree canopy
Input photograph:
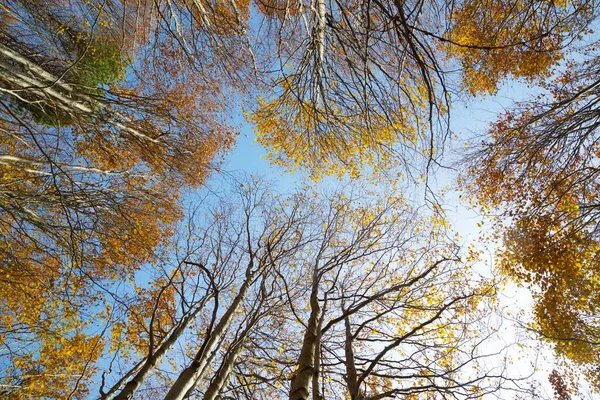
x,y
113,111
540,167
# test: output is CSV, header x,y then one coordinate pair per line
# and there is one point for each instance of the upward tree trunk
x,y
193,373
321,14
133,385
299,389
351,375
220,379
316,390
301,382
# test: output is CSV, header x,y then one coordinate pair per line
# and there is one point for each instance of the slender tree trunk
x,y
316,390
316,379
200,374
301,382
220,379
71,101
351,375
32,84
321,12
116,386
33,67
133,385
320,42
193,373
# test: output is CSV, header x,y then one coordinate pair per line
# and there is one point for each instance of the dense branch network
x,y
111,110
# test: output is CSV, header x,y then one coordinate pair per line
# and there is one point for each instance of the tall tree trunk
x,y
316,390
220,379
321,13
193,373
351,375
133,385
300,385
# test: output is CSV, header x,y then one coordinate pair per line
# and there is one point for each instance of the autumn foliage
x,y
540,169
113,113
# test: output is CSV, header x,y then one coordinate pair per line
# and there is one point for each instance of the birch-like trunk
x,y
64,95
320,44
320,32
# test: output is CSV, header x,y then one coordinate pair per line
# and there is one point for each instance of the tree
x,y
112,108
95,148
220,288
367,82
539,168
310,294
385,318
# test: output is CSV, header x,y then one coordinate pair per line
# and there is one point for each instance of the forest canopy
x,y
132,265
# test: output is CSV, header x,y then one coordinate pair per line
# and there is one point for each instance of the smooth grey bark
x,y
316,391
193,373
108,395
316,379
133,385
150,362
200,374
321,14
216,385
299,388
351,374
220,379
